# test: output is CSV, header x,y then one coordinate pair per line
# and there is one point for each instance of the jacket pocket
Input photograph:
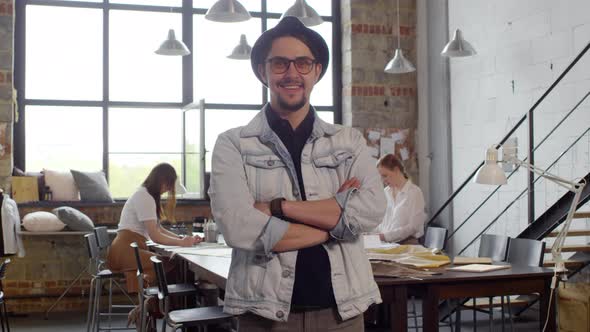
x,y
333,160
266,176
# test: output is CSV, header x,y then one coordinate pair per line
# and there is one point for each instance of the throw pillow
x,y
42,221
62,185
74,219
93,186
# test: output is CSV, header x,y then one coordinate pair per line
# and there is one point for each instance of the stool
x,y
98,276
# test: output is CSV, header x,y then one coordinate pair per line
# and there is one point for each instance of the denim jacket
x,y
250,164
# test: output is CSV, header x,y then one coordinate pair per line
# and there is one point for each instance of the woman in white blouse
x,y
404,218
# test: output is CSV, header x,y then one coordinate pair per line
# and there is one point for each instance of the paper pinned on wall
x,y
397,136
404,154
373,135
387,146
373,151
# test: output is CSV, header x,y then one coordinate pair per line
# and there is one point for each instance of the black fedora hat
x,y
290,26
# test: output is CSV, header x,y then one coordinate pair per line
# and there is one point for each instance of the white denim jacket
x,y
250,164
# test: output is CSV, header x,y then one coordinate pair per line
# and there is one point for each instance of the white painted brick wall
x,y
529,42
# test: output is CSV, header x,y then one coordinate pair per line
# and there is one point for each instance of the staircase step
x,y
572,232
569,264
572,248
582,215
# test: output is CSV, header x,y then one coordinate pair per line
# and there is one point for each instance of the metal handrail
x,y
516,126
534,149
521,194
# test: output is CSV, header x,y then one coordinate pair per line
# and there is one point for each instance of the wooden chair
x,y
197,317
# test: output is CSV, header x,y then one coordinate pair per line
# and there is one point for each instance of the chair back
x,y
91,245
3,268
137,257
435,238
494,247
161,276
102,237
525,252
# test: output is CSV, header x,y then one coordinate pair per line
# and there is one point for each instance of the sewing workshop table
x,y
431,289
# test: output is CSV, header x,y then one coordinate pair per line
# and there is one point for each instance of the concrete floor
x,y
76,322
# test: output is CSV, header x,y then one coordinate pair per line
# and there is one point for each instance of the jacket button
x,y
270,162
286,273
295,193
280,314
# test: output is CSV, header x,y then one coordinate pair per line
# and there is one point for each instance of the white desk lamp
x,y
491,173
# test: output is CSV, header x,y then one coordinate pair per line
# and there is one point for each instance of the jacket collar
x,y
259,127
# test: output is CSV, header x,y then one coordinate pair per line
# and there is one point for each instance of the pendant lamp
x,y
399,64
304,12
227,11
458,47
172,46
242,51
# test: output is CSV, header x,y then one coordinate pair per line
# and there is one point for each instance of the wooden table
x,y
458,285
432,289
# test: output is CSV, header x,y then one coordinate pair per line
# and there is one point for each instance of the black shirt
x,y
313,283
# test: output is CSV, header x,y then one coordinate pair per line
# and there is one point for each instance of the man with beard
x,y
291,195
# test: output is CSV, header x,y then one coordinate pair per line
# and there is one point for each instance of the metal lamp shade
x,y
172,46
304,12
242,51
399,64
458,47
227,11
490,172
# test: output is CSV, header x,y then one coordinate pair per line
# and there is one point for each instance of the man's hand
x,y
263,207
350,183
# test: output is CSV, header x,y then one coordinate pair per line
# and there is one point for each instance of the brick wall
x,y
6,91
372,98
523,46
51,262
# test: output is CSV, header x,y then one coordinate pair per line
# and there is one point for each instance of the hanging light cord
x,y
398,26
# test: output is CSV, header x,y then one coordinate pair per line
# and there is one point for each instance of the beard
x,y
292,107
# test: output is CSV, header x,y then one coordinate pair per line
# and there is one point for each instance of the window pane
x,y
172,3
64,53
326,116
63,138
133,130
128,171
136,72
193,173
192,127
250,5
322,94
217,78
218,121
322,7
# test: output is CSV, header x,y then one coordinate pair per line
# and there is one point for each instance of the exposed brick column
x,y
6,91
372,98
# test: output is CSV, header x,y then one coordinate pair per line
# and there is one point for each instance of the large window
x,y
93,95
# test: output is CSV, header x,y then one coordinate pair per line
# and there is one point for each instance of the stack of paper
x,y
478,268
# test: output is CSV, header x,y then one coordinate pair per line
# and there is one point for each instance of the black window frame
x,y
187,11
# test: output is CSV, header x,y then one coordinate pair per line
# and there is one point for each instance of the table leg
x,y
399,309
430,310
544,304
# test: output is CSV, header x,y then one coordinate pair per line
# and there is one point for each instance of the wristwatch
x,y
276,207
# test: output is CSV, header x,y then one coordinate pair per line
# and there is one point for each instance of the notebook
x,y
478,268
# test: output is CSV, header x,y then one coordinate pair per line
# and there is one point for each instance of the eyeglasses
x,y
279,65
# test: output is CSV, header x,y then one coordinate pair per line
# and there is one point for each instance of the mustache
x,y
287,81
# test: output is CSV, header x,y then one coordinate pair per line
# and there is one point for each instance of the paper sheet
x,y
405,154
373,135
387,146
372,241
